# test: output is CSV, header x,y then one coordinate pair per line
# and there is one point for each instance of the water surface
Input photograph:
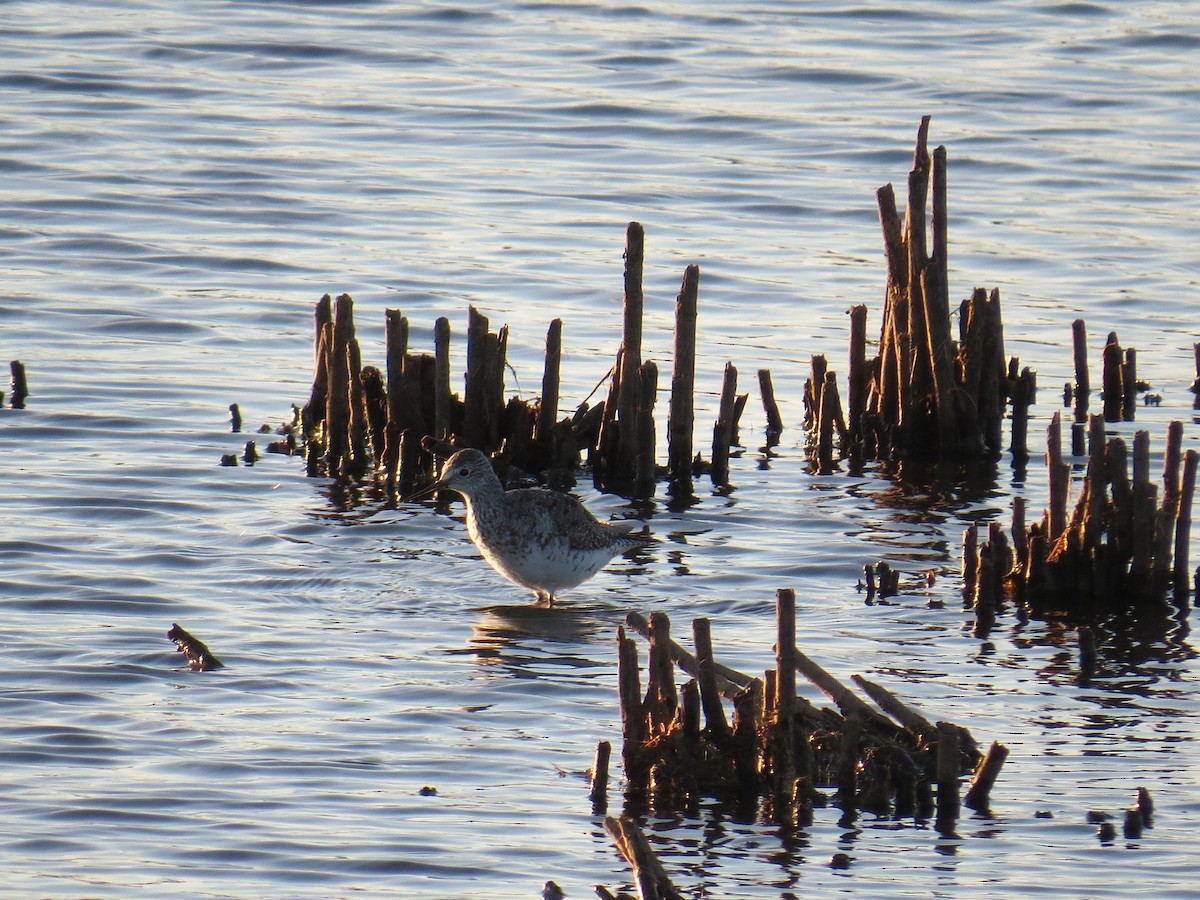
x,y
180,184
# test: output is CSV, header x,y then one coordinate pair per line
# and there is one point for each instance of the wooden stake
x,y
986,773
1059,474
631,349
970,560
785,651
548,407
633,717
948,762
661,697
681,416
599,791
857,370
710,697
1113,380
723,428
645,475
1183,525
1129,385
770,407
19,385
442,398
1082,384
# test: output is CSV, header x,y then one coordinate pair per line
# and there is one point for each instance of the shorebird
x,y
540,539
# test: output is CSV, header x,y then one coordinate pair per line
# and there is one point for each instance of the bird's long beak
x,y
427,491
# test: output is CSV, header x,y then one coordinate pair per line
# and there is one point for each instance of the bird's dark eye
x,y
464,471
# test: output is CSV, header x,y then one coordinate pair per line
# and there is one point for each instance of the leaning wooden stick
x,y
897,709
985,777
648,873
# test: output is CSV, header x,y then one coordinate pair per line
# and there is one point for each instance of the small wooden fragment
x,y
199,657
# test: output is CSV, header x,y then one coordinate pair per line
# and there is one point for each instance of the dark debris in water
x,y
199,657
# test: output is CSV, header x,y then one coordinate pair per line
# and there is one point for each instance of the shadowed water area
x,y
179,184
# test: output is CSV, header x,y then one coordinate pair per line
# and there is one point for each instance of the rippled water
x,y
180,183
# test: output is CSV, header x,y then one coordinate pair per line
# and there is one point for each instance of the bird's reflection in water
x,y
528,638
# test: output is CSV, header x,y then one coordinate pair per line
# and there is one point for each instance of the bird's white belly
x,y
554,567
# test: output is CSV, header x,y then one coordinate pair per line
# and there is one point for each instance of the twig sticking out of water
x,y
199,657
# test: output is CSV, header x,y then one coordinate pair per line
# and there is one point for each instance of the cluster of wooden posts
x,y
679,745
1122,547
361,421
924,395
